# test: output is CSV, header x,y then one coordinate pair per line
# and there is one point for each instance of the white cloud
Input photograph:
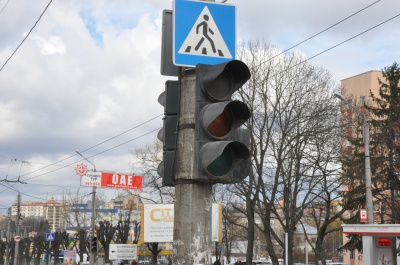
x,y
51,45
91,70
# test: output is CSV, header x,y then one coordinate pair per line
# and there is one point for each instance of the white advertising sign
x,y
158,220
122,252
158,223
91,179
216,223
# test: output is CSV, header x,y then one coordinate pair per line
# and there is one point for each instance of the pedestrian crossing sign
x,y
204,32
50,236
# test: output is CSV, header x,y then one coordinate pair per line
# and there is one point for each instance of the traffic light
x,y
222,148
168,134
93,244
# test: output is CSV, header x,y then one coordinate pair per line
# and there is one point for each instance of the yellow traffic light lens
x,y
222,164
222,124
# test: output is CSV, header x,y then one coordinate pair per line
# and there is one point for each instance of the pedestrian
x,y
217,262
320,262
134,262
169,260
238,262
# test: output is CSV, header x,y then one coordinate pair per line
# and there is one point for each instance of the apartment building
x,y
357,89
51,210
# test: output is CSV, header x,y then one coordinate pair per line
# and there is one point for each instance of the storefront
x,y
377,247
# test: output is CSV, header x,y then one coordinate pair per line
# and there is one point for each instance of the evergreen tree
x,y
385,118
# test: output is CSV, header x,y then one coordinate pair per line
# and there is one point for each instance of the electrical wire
x,y
16,190
271,58
332,47
137,126
1,11
89,148
319,33
106,150
27,35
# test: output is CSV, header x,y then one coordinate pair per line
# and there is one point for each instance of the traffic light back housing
x,y
93,245
168,134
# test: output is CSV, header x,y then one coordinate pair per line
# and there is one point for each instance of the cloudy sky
x,y
88,76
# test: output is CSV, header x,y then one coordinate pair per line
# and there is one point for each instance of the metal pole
x,y
368,192
8,239
93,219
368,195
306,251
92,257
286,249
17,231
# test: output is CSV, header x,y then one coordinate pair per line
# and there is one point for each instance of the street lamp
x,y
369,205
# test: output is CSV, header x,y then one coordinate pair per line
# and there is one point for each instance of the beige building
x,y
52,211
357,89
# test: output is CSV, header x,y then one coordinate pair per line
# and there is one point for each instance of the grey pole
x,y
93,220
368,192
8,239
17,232
370,206
193,199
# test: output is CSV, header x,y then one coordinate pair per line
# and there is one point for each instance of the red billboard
x,y
121,181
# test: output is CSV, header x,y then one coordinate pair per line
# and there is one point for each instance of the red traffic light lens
x,y
222,124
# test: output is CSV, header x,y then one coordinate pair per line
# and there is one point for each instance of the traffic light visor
x,y
220,81
220,158
222,164
220,119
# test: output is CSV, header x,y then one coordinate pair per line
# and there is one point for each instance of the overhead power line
x,y
91,147
1,11
332,47
27,35
328,28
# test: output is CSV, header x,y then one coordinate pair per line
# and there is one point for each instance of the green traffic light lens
x,y
222,164
221,87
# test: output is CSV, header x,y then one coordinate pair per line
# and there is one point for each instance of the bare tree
x,y
146,161
293,116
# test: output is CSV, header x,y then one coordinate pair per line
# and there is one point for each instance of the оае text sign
x,y
121,181
112,180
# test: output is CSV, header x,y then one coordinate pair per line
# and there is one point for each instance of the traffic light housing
x,y
222,149
93,244
168,134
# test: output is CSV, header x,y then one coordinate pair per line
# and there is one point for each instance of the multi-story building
x,y
126,205
357,89
51,211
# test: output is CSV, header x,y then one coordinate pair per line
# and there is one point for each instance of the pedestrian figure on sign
x,y
206,29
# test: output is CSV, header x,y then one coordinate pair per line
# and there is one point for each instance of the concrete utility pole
x,y
17,230
193,199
